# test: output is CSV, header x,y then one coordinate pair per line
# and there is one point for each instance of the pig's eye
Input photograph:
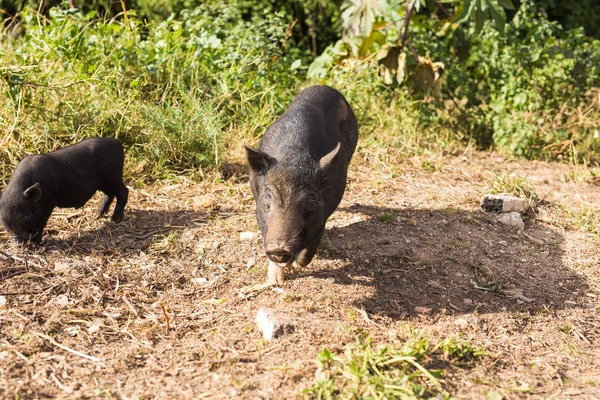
x,y
311,203
268,200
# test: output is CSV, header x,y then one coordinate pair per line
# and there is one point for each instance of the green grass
x,y
167,90
400,371
387,217
181,95
515,185
585,217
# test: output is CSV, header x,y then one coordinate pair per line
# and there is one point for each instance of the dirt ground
x,y
159,306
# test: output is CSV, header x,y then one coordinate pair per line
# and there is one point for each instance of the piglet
x,y
68,177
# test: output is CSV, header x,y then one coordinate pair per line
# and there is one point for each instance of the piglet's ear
x,y
33,192
258,160
328,158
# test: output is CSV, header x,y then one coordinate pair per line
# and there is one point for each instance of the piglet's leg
x,y
122,196
275,273
103,209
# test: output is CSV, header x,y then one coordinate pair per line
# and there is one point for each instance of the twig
x,y
162,307
414,53
60,384
17,272
443,9
365,316
70,350
17,293
7,255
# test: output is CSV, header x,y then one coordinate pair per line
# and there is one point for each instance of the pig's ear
x,y
258,160
325,161
33,192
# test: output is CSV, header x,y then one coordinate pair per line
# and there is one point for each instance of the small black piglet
x,y
68,177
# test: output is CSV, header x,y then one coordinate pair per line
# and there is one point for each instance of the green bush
x,y
521,88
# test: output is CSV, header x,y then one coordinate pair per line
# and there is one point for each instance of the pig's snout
x,y
280,254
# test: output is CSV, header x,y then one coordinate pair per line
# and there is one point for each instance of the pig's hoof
x,y
116,218
276,274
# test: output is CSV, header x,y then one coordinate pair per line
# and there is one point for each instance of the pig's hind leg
x,y
104,205
122,195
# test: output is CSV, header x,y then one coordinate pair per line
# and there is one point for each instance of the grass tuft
x,y
386,371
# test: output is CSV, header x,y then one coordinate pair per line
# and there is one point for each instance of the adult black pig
x,y
298,175
68,177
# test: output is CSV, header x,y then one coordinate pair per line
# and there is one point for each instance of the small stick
x,y
60,384
70,350
17,293
18,272
6,255
166,317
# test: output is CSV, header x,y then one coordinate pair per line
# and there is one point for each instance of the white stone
x,y
512,219
247,235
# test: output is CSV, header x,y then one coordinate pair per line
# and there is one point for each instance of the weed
x,y
515,185
565,328
368,371
387,217
460,350
585,217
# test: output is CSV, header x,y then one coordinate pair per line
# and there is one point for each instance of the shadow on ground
x,y
137,232
447,260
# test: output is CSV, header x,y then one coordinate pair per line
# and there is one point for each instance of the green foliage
x,y
484,10
311,24
387,217
457,350
167,90
520,86
172,88
378,29
368,371
574,14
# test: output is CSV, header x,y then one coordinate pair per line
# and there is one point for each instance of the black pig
x,y
298,175
68,177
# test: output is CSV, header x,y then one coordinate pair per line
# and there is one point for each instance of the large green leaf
x,y
366,46
466,11
498,14
481,15
506,4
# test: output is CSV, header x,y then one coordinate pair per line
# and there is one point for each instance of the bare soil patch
x,y
159,306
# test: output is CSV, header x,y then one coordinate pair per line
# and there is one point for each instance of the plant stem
x,y
443,9
406,23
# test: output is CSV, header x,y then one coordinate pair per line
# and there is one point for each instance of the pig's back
x,y
85,167
317,119
90,151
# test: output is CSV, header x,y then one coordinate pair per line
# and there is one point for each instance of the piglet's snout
x,y
280,254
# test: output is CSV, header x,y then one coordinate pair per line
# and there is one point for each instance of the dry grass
x,y
159,306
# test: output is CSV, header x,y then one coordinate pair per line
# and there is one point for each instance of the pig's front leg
x,y
276,273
